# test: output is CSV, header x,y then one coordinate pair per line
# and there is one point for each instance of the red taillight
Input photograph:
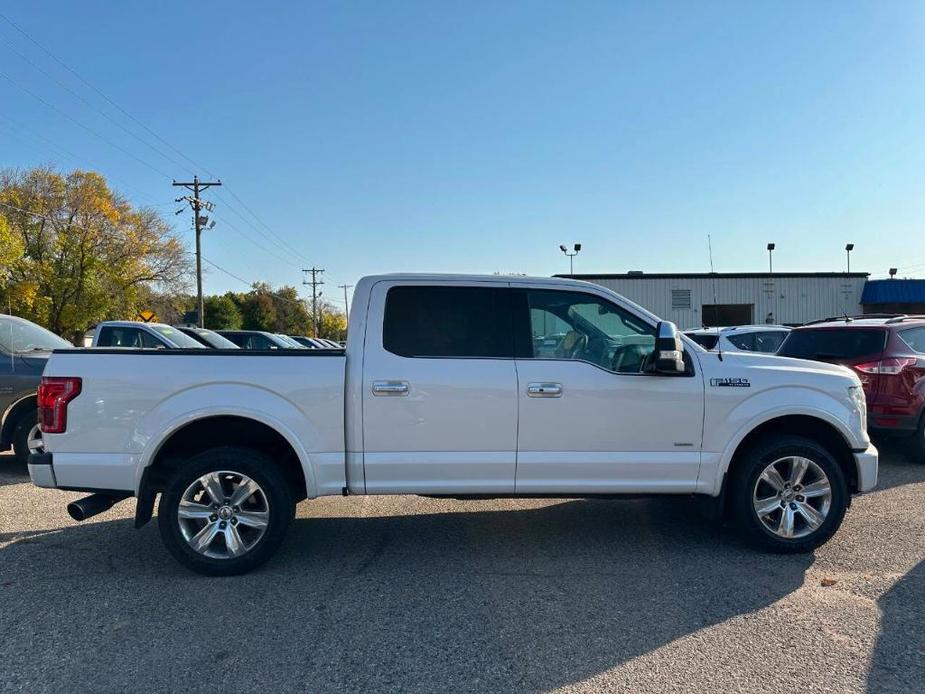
x,y
55,392
885,367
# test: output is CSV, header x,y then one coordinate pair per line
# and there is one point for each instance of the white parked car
x,y
741,338
441,391
137,335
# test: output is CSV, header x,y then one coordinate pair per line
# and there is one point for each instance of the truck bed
x,y
132,400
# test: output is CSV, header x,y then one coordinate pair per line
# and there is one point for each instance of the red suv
x,y
888,355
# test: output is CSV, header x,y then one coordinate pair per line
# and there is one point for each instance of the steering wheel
x,y
628,359
572,345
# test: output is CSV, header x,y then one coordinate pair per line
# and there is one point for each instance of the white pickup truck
x,y
455,386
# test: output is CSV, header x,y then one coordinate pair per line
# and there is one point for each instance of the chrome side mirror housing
x,y
668,357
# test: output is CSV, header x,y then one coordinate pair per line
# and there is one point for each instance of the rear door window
x,y
454,322
769,341
707,341
744,341
833,343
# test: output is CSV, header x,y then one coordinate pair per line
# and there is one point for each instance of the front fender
x,y
735,424
156,427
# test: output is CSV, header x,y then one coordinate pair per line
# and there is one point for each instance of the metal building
x,y
739,298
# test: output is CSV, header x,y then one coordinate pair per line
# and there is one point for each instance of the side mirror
x,y
668,357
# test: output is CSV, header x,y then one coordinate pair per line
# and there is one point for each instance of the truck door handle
x,y
390,387
544,390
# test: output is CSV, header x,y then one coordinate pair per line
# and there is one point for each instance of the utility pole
x,y
199,221
316,282
345,287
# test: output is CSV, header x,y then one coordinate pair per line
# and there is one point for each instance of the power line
x,y
102,95
98,110
84,127
278,241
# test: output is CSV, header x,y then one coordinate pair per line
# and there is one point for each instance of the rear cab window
x,y
833,343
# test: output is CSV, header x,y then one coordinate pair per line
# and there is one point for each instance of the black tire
x,y
744,479
245,461
915,444
21,435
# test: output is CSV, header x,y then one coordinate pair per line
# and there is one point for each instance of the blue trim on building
x,y
893,292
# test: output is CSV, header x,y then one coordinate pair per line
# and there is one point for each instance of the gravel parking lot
x,y
423,595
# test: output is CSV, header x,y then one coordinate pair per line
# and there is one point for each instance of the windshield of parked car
x,y
18,335
179,339
847,343
213,339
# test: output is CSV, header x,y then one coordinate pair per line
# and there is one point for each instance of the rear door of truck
x,y
439,389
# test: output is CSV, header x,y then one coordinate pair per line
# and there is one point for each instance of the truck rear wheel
x,y
225,511
787,494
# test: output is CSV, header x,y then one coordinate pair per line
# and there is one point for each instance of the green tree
x,y
292,318
88,254
257,311
332,322
222,313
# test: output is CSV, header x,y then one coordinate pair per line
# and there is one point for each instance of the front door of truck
x,y
590,421
439,389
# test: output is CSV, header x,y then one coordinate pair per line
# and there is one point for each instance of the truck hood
x,y
772,369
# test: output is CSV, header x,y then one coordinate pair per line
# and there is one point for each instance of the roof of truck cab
x,y
500,279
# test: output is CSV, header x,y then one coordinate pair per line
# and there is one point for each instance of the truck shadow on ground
x,y
898,663
525,598
12,472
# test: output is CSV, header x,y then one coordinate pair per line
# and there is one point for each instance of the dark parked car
x,y
255,339
888,355
207,337
315,342
24,349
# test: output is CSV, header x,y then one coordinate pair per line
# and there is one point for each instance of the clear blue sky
x,y
478,136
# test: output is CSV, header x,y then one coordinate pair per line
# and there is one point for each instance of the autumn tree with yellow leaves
x,y
74,252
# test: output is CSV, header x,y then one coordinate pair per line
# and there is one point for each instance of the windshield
x,y
289,342
19,335
179,339
212,338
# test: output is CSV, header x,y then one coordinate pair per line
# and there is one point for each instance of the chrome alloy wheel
x,y
792,497
34,441
223,514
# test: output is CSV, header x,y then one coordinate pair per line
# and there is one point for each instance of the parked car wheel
x,y
915,444
787,494
27,437
225,511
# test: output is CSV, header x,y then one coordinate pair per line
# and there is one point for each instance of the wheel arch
x,y
199,434
12,416
811,427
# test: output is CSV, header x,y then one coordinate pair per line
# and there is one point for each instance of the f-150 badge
x,y
730,383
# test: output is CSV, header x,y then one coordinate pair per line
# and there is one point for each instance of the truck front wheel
x,y
787,494
225,511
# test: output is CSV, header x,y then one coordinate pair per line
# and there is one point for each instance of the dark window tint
x,y
848,343
237,338
915,338
448,322
705,341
